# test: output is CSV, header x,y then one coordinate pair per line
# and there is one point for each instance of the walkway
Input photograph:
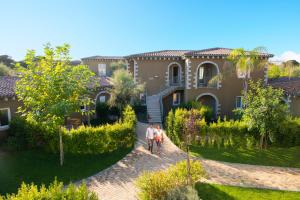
x,y
117,182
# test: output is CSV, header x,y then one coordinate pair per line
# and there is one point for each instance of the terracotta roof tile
x,y
103,58
163,53
216,52
290,86
7,86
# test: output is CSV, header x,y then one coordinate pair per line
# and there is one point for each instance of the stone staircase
x,y
154,109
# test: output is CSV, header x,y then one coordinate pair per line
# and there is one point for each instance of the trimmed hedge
x,y
230,133
156,185
84,140
101,139
56,190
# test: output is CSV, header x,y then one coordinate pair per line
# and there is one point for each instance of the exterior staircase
x,y
154,104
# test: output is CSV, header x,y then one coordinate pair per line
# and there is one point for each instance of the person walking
x,y
159,138
150,137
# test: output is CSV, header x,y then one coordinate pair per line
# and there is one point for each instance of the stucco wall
x,y
93,65
154,73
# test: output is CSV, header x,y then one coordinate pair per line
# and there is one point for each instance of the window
x,y
102,99
238,102
4,118
102,69
201,74
176,99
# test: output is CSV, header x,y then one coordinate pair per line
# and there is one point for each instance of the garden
x,y
41,151
265,134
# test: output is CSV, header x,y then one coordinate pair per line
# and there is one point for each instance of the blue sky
x,y
94,27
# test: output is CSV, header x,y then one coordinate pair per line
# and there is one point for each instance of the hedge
x,y
84,140
56,190
230,133
157,185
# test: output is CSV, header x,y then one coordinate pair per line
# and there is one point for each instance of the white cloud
x,y
287,55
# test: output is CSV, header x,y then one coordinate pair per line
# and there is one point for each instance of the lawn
x,y
273,156
40,167
221,192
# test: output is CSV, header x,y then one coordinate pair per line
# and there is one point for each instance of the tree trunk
x,y
261,141
61,148
188,166
245,90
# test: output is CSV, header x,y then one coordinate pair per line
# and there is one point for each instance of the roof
x,y
163,53
217,52
7,86
289,85
179,53
103,58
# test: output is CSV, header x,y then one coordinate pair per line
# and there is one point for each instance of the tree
x,y
265,111
117,65
51,89
274,71
246,62
124,90
190,129
7,60
290,67
5,71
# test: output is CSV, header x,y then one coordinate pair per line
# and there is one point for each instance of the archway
x,y
207,74
174,70
211,101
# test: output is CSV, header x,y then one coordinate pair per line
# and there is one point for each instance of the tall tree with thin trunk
x,y
51,89
245,62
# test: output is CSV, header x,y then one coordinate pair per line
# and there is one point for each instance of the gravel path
x,y
117,182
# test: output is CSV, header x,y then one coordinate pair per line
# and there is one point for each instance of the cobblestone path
x,y
117,182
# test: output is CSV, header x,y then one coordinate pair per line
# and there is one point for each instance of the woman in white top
x,y
159,138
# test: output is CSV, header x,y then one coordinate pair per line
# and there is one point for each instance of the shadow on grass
x,y
41,167
210,192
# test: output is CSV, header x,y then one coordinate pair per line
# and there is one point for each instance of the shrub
x,y
205,111
26,134
182,193
104,113
289,132
55,190
101,139
156,185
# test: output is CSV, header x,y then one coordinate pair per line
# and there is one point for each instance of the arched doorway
x,y
102,97
211,101
174,73
207,74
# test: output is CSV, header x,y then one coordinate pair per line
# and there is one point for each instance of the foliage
x,y
182,193
288,133
7,61
286,69
6,71
50,88
205,111
117,65
101,139
265,111
104,113
246,62
56,190
224,192
25,134
156,185
124,91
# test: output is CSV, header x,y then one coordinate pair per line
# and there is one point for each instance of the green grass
x,y
40,167
221,192
273,156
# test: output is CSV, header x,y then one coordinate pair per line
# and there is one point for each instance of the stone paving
x,y
117,182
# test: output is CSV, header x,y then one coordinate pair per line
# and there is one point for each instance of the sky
x,y
118,28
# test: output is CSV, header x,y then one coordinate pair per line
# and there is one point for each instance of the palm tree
x,y
246,62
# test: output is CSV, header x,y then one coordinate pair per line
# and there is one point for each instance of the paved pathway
x,y
117,182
